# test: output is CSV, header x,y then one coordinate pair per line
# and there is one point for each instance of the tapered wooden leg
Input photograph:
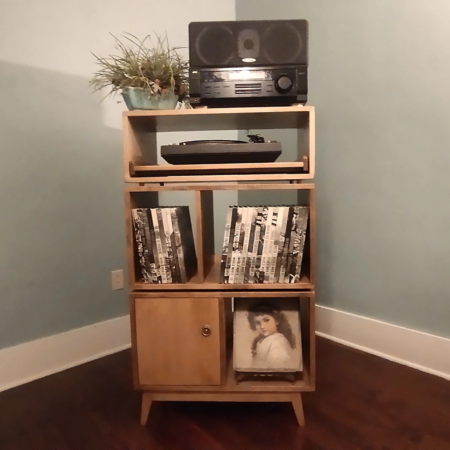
x,y
298,409
145,410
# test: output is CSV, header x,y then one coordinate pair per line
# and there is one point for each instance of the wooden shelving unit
x,y
172,360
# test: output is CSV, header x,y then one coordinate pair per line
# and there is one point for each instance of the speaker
x,y
248,43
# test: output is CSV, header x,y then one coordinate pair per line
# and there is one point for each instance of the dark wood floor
x,y
362,402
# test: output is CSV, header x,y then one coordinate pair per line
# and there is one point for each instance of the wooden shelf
x,y
220,187
196,286
269,293
301,384
204,119
211,283
142,165
208,270
169,173
168,169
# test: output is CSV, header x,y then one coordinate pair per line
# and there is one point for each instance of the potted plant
x,y
148,77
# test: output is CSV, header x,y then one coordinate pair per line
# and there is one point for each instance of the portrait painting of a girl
x,y
267,335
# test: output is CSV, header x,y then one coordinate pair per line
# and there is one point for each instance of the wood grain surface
x,y
362,402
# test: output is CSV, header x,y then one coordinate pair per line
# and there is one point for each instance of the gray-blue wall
x,y
379,78
61,200
61,171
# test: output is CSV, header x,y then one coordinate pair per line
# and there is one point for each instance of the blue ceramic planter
x,y
138,98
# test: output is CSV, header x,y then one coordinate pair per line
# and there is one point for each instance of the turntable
x,y
221,152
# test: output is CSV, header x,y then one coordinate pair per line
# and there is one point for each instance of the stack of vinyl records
x,y
165,244
263,244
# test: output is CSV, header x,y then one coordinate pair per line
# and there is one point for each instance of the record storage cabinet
x,y
182,333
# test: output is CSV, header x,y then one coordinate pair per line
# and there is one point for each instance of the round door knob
x,y
206,330
283,84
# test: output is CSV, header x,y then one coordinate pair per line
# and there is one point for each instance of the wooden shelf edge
x,y
223,287
212,390
139,166
219,396
232,186
217,178
223,294
220,111
229,389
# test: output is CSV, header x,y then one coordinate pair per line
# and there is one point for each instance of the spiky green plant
x,y
158,69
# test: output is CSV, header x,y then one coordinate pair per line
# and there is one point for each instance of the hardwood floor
x,y
362,402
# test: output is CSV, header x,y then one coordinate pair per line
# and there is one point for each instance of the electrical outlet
x,y
117,279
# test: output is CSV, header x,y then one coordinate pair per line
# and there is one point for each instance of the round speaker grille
x,y
282,43
215,45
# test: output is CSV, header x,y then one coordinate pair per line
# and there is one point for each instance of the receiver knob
x,y
283,84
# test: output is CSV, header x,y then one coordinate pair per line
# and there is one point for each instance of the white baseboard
x,y
27,362
422,351
32,360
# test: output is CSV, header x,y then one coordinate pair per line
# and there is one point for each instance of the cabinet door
x,y
173,345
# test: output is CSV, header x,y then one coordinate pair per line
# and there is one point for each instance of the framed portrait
x,y
267,335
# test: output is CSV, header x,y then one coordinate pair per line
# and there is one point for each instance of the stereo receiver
x,y
277,85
